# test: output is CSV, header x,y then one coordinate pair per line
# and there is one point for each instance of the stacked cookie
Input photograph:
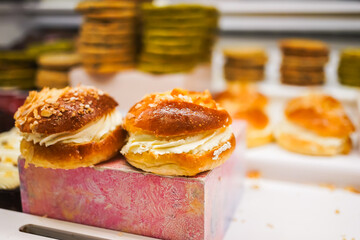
x,y
349,67
303,61
245,64
107,35
17,69
176,37
54,69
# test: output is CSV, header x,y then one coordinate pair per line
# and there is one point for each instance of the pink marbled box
x,y
116,196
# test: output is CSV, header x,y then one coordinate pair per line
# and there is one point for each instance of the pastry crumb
x,y
120,233
270,225
352,189
255,186
253,174
328,186
337,211
243,221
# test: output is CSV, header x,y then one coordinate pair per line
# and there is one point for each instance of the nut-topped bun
x,y
315,124
69,128
178,133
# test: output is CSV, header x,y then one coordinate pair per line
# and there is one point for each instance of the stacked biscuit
x,y
54,69
176,37
245,64
349,67
107,36
17,70
303,61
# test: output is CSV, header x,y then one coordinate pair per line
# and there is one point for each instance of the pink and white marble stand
x,y
117,196
128,87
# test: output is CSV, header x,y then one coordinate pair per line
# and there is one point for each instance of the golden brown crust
x,y
176,113
321,114
246,53
53,111
69,156
304,47
293,143
240,98
183,164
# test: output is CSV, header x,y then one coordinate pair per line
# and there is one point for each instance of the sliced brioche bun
x,y
69,156
300,140
183,164
178,113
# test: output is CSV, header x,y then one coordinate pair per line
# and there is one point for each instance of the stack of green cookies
x,y
176,38
349,67
17,69
107,36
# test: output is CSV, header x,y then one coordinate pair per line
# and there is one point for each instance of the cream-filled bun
x,y
178,133
246,103
315,124
69,128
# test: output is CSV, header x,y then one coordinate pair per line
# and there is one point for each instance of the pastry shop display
x,y
178,133
9,175
315,124
54,69
17,69
349,67
246,103
244,64
108,31
303,61
69,128
179,35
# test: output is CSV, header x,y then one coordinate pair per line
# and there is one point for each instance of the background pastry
x,y
315,124
69,128
9,175
178,133
244,102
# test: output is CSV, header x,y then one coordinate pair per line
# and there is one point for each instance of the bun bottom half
x,y
181,164
258,137
70,156
319,146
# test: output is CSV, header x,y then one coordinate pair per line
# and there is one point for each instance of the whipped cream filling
x,y
139,143
91,132
286,127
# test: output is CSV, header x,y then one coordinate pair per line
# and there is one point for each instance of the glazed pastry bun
x,y
178,133
244,102
69,128
315,124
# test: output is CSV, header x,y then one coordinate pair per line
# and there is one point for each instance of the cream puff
x,y
245,103
315,124
178,133
69,128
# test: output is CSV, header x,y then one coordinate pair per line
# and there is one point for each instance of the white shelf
x,y
289,7
274,210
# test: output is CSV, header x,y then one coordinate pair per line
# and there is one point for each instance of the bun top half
x,y
176,113
62,110
321,114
